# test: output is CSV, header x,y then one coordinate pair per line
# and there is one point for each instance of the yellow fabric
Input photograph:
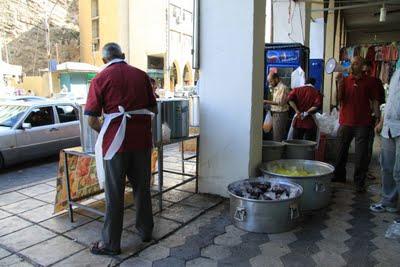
x,y
279,95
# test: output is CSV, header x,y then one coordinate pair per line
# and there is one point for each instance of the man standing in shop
x,y
279,107
355,95
367,66
389,128
123,94
305,101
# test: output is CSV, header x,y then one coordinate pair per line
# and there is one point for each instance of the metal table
x,y
160,146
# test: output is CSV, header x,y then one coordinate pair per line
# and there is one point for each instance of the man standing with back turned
x,y
125,97
355,94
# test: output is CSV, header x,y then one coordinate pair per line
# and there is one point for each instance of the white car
x,y
33,129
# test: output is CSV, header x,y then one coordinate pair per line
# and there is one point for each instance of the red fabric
x,y
370,54
355,108
305,98
123,85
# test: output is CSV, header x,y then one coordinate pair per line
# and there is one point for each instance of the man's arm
x,y
294,106
312,110
379,126
94,123
377,111
153,109
340,87
270,102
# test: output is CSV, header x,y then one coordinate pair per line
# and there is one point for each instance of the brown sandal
x,y
98,248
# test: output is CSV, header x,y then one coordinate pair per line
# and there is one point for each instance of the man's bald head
x,y
112,51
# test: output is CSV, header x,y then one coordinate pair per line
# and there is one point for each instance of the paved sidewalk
x,y
193,230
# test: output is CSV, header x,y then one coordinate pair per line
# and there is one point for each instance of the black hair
x,y
311,80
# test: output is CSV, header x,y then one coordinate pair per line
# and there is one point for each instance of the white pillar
x,y
291,22
329,49
231,91
123,8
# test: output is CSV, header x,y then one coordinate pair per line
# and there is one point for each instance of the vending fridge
x,y
316,70
283,59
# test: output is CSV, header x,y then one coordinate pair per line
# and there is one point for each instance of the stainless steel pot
x,y
176,115
272,150
265,216
87,134
317,187
300,149
194,111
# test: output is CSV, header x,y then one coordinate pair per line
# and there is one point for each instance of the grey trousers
x,y
279,125
390,167
136,166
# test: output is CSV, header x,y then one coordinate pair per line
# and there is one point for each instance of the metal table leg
x,y
69,200
160,174
183,156
197,162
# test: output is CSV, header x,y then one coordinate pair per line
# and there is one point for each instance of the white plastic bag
x,y
166,133
297,78
267,125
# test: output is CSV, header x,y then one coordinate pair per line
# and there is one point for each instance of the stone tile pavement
x,y
194,230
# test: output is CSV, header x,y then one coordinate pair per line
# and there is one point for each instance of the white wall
x,y
293,27
231,51
317,38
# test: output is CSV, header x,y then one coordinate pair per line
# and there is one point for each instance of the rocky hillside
x,y
22,29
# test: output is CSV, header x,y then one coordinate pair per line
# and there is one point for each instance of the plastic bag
x,y
267,125
297,78
393,231
166,132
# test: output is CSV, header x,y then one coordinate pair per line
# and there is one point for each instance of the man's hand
x,y
339,77
378,127
94,123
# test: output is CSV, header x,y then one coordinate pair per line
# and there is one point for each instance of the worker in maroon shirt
x,y
367,66
123,94
355,95
305,101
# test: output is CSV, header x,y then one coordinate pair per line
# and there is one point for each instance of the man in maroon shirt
x,y
355,94
305,101
121,86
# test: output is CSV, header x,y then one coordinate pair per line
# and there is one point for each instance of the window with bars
x,y
95,25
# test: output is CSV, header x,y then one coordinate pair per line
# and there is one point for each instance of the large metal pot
x,y
176,115
265,216
272,150
87,134
317,187
194,111
300,149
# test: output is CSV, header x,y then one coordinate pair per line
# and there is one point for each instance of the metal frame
x,y
74,202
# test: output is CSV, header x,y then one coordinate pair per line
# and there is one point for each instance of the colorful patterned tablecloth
x,y
82,177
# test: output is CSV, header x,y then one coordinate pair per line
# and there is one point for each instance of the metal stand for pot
x,y
160,146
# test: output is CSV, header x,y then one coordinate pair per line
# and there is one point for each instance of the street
x,y
28,172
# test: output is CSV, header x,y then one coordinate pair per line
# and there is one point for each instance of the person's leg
x,y
345,135
114,187
362,136
279,123
311,134
139,172
370,146
388,165
396,169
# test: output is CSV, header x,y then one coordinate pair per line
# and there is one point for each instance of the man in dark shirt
x,y
355,94
305,101
126,92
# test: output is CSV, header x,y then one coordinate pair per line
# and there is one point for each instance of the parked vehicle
x,y
27,98
33,129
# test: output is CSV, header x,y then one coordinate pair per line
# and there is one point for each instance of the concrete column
x,y
231,91
123,8
291,22
336,54
329,49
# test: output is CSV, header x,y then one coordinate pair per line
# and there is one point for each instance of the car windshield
x,y
10,114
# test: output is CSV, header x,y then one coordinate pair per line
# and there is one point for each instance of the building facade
x,y
156,36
